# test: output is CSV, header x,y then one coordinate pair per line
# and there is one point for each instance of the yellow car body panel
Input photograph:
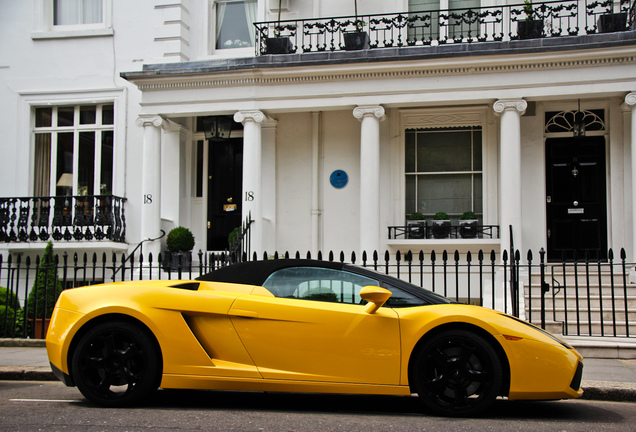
x,y
540,366
228,336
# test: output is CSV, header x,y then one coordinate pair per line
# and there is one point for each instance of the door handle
x,y
243,313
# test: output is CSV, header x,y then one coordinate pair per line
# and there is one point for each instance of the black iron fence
x,y
82,217
439,27
594,298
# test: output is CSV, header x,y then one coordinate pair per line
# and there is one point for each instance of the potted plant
x,y
179,242
44,293
610,21
441,225
278,44
357,39
468,225
530,28
416,226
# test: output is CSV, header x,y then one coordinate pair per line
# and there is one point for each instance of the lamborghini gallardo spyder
x,y
301,326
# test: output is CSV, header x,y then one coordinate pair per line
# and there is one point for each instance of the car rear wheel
x,y
116,364
457,373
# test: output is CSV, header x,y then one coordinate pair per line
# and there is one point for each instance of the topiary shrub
x,y
47,286
180,239
9,326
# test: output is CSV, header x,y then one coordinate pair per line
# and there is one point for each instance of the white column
x,y
510,111
252,180
370,117
316,189
151,183
630,101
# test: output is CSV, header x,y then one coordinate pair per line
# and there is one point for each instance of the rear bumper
x,y
65,378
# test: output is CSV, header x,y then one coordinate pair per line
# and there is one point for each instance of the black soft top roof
x,y
257,272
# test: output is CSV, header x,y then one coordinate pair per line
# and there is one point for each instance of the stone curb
x,y
598,391
8,342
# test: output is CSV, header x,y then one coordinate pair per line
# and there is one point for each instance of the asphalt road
x,y
50,406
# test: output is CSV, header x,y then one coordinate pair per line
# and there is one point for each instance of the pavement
x,y
609,371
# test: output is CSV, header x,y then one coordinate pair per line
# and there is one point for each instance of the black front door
x,y
225,179
576,198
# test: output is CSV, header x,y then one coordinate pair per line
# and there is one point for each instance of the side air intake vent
x,y
192,286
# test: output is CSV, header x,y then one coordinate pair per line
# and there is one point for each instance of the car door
x,y
316,329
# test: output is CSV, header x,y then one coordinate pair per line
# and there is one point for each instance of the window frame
x,y
45,29
54,130
444,117
239,51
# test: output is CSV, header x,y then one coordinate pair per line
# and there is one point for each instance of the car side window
x,y
319,284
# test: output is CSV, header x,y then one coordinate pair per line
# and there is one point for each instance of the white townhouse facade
x,y
105,106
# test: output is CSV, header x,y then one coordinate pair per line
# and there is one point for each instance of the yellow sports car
x,y
301,326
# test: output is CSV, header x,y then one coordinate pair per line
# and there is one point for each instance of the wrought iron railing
x,y
427,230
439,27
80,218
580,298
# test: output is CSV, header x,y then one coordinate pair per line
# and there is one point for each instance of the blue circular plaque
x,y
339,179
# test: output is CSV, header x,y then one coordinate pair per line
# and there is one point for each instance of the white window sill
x,y
62,34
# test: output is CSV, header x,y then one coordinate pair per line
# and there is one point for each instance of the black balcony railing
x,y
428,230
424,28
80,218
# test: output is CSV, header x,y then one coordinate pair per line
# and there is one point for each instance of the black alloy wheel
x,y
457,373
116,364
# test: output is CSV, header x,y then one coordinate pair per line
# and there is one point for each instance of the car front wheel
x,y
457,373
116,364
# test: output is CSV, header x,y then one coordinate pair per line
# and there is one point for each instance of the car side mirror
x,y
376,297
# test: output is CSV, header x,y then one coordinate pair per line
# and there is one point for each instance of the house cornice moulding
x,y
364,71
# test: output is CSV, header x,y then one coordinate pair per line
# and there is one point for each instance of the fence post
x,y
544,286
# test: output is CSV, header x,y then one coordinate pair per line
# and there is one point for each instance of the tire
x,y
116,364
457,373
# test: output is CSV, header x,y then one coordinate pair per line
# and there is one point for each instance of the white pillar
x,y
151,183
316,189
630,101
370,117
510,111
252,192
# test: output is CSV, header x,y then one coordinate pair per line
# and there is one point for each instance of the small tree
x,y
180,239
46,288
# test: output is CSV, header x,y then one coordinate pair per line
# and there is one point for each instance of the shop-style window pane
x,y
444,151
108,115
86,174
88,114
234,24
43,117
443,171
106,179
64,159
65,116
74,12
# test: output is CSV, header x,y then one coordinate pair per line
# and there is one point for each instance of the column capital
x,y
150,120
362,111
630,99
249,116
518,105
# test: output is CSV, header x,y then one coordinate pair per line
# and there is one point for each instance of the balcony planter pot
x,y
468,228
354,41
278,45
612,22
530,29
441,226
